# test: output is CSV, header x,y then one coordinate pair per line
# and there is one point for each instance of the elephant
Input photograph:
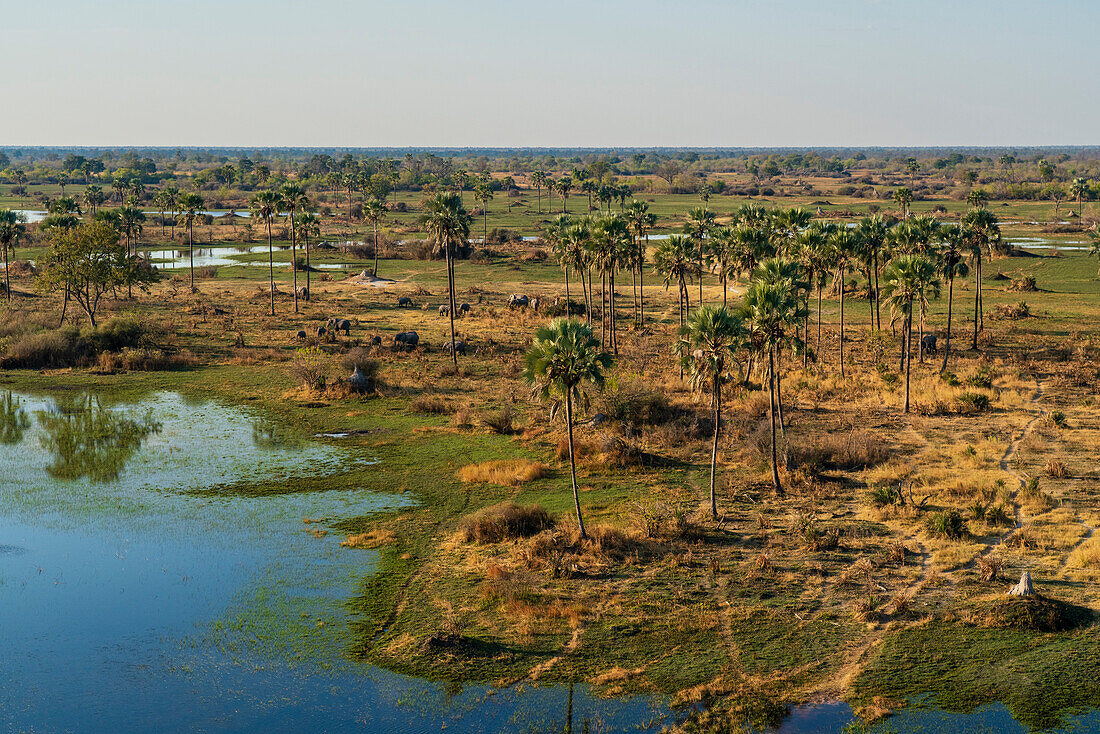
x,y
301,335
444,310
376,341
321,331
343,325
928,343
459,347
406,340
464,308
535,303
303,293
404,302
517,301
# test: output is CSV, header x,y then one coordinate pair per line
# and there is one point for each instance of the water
x,y
228,257
921,716
33,216
128,602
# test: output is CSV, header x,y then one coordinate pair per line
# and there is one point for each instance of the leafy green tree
x,y
87,262
265,206
190,208
903,197
12,230
563,357
1079,188
93,198
977,198
708,342
449,222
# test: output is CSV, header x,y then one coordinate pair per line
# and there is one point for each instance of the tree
x,y
538,178
903,197
844,245
12,230
873,233
952,266
772,310
574,255
448,220
700,223
977,198
908,278
307,225
190,206
565,185
374,211
611,240
294,200
87,262
483,194
708,342
563,357
265,206
93,198
1079,189
673,260
982,234
641,220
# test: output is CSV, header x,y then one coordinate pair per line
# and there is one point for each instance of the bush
x,y
1011,311
120,332
1023,285
972,402
506,521
500,422
59,348
947,524
310,368
982,378
431,405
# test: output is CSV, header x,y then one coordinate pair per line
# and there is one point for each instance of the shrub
x,y
206,272
972,402
883,496
120,332
430,405
1023,285
505,521
999,515
60,348
500,422
1057,418
310,368
1011,311
505,472
947,524
1056,469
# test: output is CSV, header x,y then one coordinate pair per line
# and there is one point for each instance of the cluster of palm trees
x,y
603,192
292,201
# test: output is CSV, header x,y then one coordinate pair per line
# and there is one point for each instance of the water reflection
x,y
268,435
14,421
87,440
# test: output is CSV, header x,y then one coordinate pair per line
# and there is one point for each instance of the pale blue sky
x,y
550,73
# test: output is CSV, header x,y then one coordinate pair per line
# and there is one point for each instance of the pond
x,y
228,257
129,601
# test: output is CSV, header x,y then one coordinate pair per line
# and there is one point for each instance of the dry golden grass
x,y
371,539
505,472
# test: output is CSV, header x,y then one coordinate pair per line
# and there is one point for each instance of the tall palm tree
x,y
874,232
952,265
673,260
448,220
909,278
641,222
772,310
538,178
565,185
903,197
983,233
708,342
307,225
574,255
700,223
611,238
93,198
11,231
294,199
171,204
1079,189
565,355
483,194
844,243
190,206
266,205
374,211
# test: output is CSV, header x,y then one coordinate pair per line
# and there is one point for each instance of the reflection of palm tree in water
x,y
14,421
87,440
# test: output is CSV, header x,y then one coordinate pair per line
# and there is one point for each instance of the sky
x,y
513,73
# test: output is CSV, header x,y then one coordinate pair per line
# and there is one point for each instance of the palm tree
x,y
294,199
93,198
908,278
952,265
306,223
982,234
611,238
641,220
574,254
171,204
11,231
874,232
844,244
772,311
673,260
538,178
1079,189
563,357
903,197
710,337
190,205
266,206
483,194
374,211
448,220
565,185
700,223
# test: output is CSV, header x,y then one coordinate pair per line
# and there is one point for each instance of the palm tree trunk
x,y
947,339
771,398
878,305
714,447
820,348
572,459
376,248
908,353
700,271
920,334
641,283
294,258
568,309
7,274
191,250
977,301
271,265
842,321
451,301
309,293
